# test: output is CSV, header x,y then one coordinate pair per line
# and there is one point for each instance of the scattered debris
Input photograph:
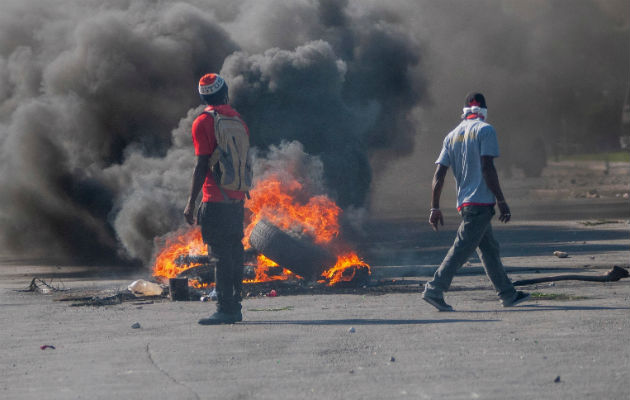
x,y
136,326
142,303
287,308
561,254
95,300
351,330
592,194
611,275
145,288
112,297
40,286
47,346
599,222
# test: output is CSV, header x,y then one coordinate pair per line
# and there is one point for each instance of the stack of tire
x,y
299,255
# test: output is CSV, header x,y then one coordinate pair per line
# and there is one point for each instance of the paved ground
x,y
570,342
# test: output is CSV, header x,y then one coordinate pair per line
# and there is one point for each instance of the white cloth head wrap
x,y
483,112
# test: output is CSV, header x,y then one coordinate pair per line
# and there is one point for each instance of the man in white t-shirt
x,y
469,150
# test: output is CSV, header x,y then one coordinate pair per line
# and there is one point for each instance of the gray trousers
x,y
474,233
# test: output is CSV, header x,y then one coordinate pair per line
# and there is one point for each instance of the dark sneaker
x,y
438,303
220,318
236,311
518,299
238,316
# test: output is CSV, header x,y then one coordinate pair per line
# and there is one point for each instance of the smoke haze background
x,y
97,100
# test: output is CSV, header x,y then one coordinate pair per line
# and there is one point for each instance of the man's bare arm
x,y
198,178
438,183
436,192
492,180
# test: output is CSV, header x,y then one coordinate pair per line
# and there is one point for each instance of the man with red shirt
x,y
221,211
469,149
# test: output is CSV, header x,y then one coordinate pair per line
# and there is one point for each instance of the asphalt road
x,y
570,342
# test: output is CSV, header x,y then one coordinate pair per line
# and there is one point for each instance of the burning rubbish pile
x,y
291,234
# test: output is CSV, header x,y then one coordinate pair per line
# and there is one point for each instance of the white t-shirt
x,y
462,150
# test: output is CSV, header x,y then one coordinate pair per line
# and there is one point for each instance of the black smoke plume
x,y
97,98
87,90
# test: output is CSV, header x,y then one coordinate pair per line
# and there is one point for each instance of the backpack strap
x,y
214,157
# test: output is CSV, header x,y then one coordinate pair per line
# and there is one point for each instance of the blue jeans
x,y
474,233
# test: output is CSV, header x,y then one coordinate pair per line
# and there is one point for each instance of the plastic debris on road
x,y
145,288
560,254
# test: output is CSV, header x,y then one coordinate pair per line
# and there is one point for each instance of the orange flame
x,y
267,270
181,243
199,285
345,269
275,199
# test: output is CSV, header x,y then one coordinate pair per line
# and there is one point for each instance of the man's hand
x,y
505,212
435,217
189,213
436,191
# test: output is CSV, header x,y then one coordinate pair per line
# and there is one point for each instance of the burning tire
x,y
297,255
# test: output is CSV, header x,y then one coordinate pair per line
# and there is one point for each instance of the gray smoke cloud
x,y
553,72
288,162
97,99
89,99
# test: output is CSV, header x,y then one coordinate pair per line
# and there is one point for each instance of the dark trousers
x,y
222,230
